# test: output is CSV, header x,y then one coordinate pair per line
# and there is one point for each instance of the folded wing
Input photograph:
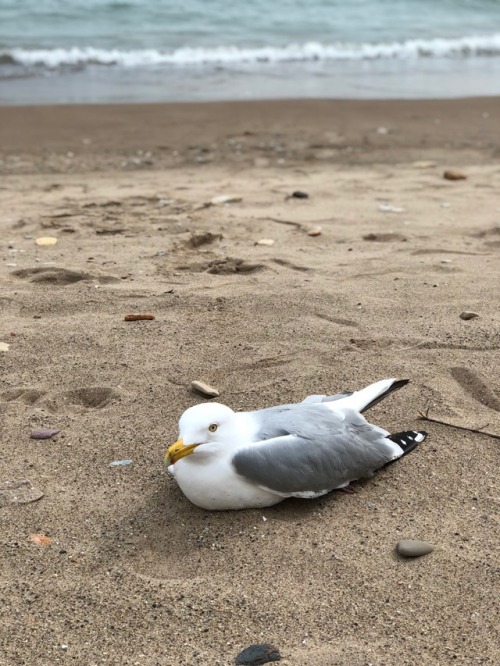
x,y
307,448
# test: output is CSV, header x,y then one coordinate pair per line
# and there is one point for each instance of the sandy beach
x,y
133,574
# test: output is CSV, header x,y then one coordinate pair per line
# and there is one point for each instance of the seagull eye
x,y
213,427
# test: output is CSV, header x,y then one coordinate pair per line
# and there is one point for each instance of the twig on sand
x,y
425,417
298,225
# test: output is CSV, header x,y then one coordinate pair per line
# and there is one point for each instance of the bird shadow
x,y
165,527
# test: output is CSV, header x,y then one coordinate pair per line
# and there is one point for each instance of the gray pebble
x,y
18,492
255,655
413,548
120,463
205,389
468,315
44,433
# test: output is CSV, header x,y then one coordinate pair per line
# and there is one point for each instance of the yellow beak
x,y
177,451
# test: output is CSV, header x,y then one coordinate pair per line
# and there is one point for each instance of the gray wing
x,y
311,399
307,448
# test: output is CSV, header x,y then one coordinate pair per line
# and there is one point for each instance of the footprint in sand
x,y
30,396
476,387
55,276
95,397
60,277
225,266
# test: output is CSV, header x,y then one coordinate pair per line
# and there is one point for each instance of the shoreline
x,y
390,78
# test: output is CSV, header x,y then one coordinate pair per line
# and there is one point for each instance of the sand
x,y
135,574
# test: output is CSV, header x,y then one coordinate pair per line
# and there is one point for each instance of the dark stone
x,y
300,195
255,655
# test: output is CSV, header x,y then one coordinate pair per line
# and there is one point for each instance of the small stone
x,y
205,389
120,463
46,241
265,241
315,231
382,130
18,492
4,347
299,195
468,315
451,174
258,654
221,199
44,433
414,548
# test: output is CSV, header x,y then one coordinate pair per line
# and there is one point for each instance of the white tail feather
x,y
360,399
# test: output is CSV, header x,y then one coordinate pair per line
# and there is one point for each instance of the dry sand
x,y
137,575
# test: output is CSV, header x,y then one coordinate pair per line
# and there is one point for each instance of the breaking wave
x,y
463,47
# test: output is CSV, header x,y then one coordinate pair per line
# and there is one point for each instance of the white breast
x,y
214,485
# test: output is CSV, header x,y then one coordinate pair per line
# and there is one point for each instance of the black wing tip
x,y
395,386
408,440
399,383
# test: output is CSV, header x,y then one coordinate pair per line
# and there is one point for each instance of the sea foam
x,y
463,47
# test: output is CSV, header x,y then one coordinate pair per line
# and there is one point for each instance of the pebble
x,y
265,241
4,346
120,463
468,315
315,231
18,492
205,389
225,199
44,433
451,174
300,195
254,655
46,241
414,548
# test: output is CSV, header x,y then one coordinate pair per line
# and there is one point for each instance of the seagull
x,y
226,460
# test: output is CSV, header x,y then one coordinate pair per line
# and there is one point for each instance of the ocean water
x,y
63,51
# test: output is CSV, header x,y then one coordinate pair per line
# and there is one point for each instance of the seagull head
x,y
202,429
